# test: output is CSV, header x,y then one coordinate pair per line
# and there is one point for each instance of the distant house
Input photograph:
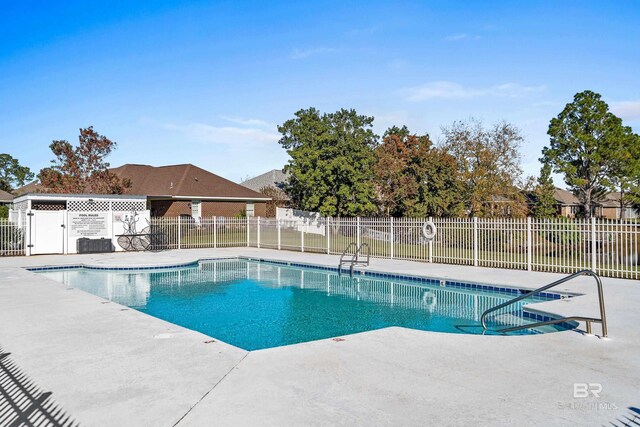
x,y
274,178
610,207
567,204
271,184
186,189
30,188
5,198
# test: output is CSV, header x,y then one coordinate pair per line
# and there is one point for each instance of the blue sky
x,y
208,82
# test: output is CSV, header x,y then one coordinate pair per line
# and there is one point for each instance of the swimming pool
x,y
254,304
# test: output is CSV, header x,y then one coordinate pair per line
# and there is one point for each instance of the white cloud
x,y
627,110
515,90
224,135
452,90
305,53
543,104
460,37
247,122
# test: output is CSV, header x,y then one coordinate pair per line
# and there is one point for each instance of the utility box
x,y
93,246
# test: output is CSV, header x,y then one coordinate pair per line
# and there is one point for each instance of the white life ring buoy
x,y
429,230
429,299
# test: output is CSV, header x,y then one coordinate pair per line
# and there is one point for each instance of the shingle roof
x,y
32,187
565,197
269,179
5,197
612,200
184,180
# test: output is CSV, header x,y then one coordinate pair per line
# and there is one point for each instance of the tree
x,y
414,178
82,169
587,144
545,201
489,166
332,160
278,199
624,172
12,174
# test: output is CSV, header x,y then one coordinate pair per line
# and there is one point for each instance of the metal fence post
x,y
475,241
258,233
215,232
301,238
358,231
391,237
593,244
328,236
529,244
248,232
431,245
279,235
28,227
179,233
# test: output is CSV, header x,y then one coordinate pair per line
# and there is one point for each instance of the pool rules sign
x,y
88,224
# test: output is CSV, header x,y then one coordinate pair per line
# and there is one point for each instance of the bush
x,y
564,231
11,238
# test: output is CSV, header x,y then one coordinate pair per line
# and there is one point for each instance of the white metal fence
x,y
609,247
12,237
214,232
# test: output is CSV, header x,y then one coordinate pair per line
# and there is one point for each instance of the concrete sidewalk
x,y
109,365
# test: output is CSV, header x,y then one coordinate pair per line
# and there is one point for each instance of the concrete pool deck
x,y
109,365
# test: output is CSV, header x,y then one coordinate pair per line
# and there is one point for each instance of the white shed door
x,y
47,233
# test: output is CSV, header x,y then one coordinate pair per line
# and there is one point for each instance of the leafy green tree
x,y
12,174
624,173
489,166
414,178
82,169
332,160
586,145
544,192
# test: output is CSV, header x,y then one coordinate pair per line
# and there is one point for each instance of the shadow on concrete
x,y
628,419
22,403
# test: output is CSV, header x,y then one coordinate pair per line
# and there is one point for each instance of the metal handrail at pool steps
x,y
588,320
355,259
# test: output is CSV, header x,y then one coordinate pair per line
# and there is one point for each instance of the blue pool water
x,y
255,305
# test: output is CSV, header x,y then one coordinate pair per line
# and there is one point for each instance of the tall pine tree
x,y
545,204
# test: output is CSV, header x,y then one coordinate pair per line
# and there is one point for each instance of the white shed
x,y
54,223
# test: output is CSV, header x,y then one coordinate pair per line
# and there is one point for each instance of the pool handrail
x,y
355,257
588,320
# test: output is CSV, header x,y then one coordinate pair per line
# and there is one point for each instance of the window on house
x,y
250,210
196,209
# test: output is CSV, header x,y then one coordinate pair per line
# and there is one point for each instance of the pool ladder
x,y
355,258
588,320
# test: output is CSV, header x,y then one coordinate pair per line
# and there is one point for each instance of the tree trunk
x,y
587,204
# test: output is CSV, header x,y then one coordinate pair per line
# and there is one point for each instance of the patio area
x,y
106,364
